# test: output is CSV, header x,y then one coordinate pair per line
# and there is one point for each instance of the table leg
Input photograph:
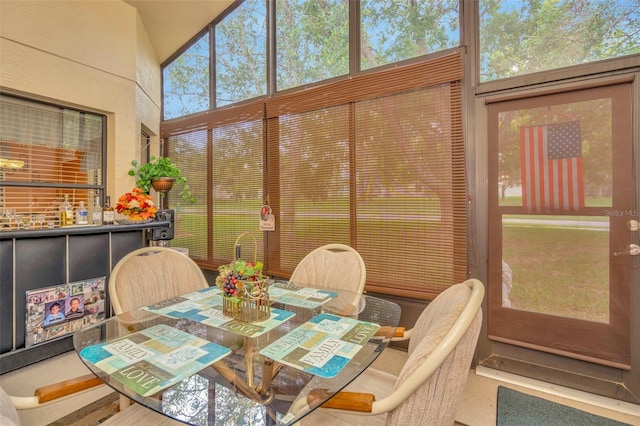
x,y
248,357
270,370
233,378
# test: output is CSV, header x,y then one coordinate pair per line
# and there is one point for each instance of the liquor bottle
x,y
66,212
96,217
83,215
108,213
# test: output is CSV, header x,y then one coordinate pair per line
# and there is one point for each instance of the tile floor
x,y
477,408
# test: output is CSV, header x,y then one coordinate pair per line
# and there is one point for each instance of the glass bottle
x,y
108,213
66,212
83,215
96,217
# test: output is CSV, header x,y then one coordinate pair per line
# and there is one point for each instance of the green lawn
x,y
559,271
556,270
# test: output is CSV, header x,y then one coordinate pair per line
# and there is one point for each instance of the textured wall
x,y
93,55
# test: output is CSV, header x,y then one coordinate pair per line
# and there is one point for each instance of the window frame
x,y
88,191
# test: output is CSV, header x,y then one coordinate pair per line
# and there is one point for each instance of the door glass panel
x,y
556,157
556,265
554,186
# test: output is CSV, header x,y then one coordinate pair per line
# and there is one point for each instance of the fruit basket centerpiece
x,y
245,291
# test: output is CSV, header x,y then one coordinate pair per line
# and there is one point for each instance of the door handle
x,y
632,250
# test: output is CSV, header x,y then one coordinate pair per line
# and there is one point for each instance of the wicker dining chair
x,y
152,274
333,266
431,381
149,275
45,395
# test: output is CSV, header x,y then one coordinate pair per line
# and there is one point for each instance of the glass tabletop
x,y
188,360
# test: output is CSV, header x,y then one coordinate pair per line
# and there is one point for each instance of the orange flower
x,y
136,205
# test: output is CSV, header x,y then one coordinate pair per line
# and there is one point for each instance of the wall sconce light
x,y
5,163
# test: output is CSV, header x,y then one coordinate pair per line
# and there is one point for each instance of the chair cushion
x,y
8,413
437,319
375,381
334,266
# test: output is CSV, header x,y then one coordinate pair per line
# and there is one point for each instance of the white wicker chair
x,y
432,380
8,414
151,274
45,395
333,266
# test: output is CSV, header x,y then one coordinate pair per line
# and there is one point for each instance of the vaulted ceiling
x,y
171,23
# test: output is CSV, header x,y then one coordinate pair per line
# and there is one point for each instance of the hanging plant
x,y
159,168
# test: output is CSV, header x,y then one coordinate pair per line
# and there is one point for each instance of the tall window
x,y
375,161
393,31
47,152
186,81
522,37
378,167
240,54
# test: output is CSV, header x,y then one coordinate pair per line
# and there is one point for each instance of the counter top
x,y
78,230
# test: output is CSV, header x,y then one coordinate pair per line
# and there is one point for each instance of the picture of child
x,y
54,316
75,308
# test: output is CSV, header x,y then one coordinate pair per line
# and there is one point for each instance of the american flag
x,y
551,167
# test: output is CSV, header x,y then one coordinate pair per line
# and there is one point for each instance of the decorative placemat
x,y
323,345
188,304
216,318
205,306
155,358
304,297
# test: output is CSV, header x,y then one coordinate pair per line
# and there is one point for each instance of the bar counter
x,y
41,258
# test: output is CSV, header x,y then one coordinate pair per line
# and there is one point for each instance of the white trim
x,y
561,391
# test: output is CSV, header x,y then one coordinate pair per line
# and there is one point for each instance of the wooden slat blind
x,y
222,155
60,152
436,71
375,161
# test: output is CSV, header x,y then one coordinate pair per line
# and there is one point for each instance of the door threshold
x,y
559,391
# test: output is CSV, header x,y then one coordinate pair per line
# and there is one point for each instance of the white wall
x,y
90,54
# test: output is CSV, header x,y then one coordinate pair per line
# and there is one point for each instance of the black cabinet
x,y
31,260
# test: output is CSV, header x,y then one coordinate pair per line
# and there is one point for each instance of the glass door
x,y
563,235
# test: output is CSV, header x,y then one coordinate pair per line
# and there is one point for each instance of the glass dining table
x,y
185,358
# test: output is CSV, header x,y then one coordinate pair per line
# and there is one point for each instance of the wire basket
x,y
251,301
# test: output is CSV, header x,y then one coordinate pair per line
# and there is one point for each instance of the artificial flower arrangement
x,y
136,205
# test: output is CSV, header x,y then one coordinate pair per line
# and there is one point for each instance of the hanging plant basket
x,y
163,184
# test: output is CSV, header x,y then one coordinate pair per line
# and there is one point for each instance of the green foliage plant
x,y
160,167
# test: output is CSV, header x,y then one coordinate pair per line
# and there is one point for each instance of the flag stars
x,y
564,140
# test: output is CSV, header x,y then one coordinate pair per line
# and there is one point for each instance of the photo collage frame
x,y
53,312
